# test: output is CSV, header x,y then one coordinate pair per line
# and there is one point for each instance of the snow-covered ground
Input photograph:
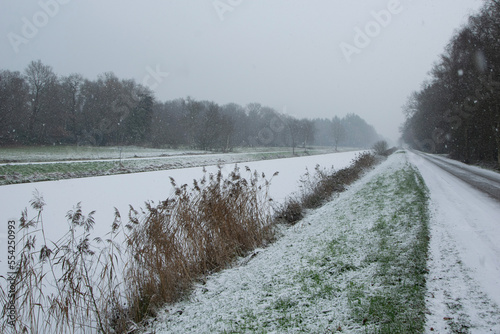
x,y
462,283
48,164
464,264
103,194
30,154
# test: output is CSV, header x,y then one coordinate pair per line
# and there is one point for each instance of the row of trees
x,y
206,125
38,107
457,111
349,131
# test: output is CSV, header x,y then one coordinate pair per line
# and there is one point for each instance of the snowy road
x,y
464,262
484,180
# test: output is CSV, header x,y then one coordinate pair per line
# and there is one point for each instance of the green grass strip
x,y
398,250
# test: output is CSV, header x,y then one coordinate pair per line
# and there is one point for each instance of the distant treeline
x,y
39,108
457,111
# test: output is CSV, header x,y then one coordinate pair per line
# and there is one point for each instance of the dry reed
x,y
318,188
81,284
200,230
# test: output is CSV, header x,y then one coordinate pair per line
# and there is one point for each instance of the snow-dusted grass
x,y
317,189
356,265
25,154
55,163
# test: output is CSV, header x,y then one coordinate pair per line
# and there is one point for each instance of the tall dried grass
x,y
199,231
65,286
317,188
81,284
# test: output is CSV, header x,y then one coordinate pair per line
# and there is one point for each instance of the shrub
x,y
65,286
325,183
390,151
381,147
292,212
320,186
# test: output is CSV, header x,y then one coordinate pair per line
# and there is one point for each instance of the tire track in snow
x,y
485,181
456,303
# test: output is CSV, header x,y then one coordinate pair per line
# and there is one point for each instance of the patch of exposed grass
x,y
391,298
12,174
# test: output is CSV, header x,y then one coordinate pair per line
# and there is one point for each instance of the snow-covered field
x,y
78,153
27,154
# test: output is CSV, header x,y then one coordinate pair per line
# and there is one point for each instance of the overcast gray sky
x,y
308,58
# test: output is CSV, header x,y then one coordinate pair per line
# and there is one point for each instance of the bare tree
x,y
13,106
40,78
338,131
295,129
72,100
307,127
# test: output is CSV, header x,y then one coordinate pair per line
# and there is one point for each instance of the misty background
x,y
285,54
